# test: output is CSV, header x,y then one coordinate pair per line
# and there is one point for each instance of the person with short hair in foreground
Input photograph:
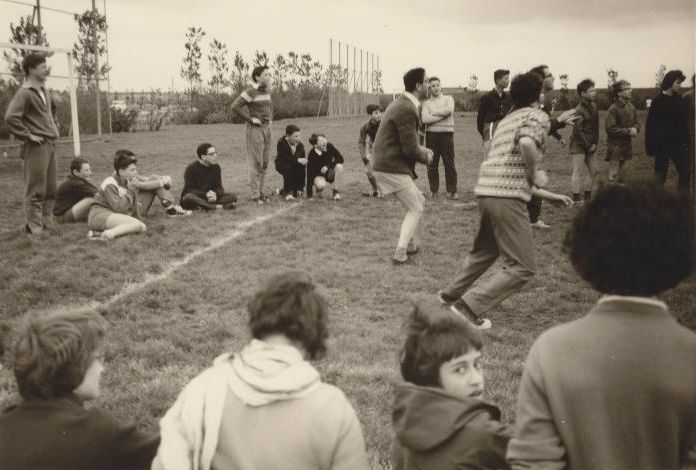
x,y
57,361
266,407
203,183
617,387
439,416
75,195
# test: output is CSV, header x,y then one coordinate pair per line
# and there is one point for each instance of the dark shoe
x,y
461,308
412,248
445,299
400,256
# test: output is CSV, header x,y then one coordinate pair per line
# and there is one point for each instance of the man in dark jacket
x,y
583,142
291,162
667,131
29,118
493,107
397,149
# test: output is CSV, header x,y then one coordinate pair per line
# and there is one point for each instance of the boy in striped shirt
x,y
507,180
258,116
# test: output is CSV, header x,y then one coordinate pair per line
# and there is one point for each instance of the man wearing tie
x,y
396,152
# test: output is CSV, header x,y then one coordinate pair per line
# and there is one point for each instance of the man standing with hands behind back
x,y
396,152
29,117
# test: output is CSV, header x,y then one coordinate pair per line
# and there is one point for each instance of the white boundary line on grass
x,y
240,230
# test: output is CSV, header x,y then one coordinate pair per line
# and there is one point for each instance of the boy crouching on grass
x,y
439,417
616,389
57,365
266,407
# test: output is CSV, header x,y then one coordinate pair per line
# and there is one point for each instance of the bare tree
x,y
240,73
219,68
612,75
25,33
191,65
260,58
473,82
90,41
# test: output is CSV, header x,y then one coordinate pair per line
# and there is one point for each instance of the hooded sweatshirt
x,y
437,430
264,408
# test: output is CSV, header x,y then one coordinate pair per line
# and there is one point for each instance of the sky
x,y
452,39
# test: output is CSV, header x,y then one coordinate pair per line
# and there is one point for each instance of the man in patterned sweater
x,y
507,180
258,116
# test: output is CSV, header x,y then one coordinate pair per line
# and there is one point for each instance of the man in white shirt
x,y
438,116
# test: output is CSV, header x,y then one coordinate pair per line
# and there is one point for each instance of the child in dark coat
x,y
439,417
57,365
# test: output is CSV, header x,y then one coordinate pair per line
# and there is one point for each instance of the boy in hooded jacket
x,y
440,419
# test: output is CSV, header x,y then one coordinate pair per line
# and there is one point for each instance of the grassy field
x,y
165,333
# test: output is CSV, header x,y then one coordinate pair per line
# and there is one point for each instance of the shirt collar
x,y
633,299
413,99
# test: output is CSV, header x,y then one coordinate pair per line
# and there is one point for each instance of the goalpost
x,y
71,84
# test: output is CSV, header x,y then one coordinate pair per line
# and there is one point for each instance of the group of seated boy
x,y
322,166
118,205
614,389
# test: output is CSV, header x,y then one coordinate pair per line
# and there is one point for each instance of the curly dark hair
x,y
525,89
53,351
289,304
434,336
633,240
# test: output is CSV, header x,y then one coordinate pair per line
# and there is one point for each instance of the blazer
x,y
397,147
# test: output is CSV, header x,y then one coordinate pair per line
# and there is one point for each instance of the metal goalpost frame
x,y
73,94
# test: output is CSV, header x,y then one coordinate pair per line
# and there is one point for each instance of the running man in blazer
x,y
396,151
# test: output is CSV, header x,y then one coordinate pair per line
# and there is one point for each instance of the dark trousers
x,y
39,170
293,177
193,201
442,145
534,208
682,163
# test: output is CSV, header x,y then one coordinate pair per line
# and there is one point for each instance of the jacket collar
x,y
412,99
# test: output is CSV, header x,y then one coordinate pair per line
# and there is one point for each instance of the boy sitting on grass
x,y
266,407
117,205
56,358
616,388
439,417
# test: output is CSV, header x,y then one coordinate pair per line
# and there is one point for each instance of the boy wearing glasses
x,y
203,183
622,126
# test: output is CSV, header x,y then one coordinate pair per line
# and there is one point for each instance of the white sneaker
x,y
540,225
337,197
289,197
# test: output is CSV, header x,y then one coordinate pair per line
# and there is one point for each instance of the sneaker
x,y
337,196
540,225
176,210
96,235
400,256
461,308
412,248
219,207
454,196
445,299
289,197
